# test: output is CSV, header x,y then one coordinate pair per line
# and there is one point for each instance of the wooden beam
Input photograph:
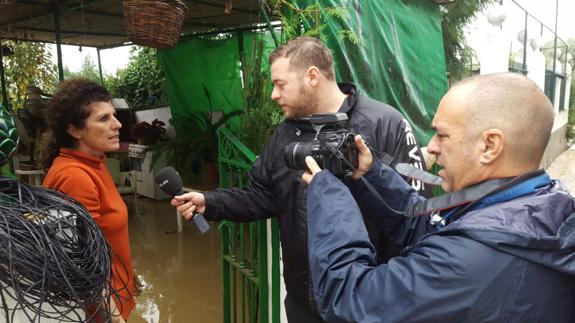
x,y
210,4
70,32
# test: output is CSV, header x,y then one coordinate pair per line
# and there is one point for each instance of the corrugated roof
x,y
100,23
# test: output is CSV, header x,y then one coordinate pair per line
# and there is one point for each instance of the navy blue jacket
x,y
512,261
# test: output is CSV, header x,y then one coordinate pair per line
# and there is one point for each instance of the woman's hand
x,y
118,319
115,315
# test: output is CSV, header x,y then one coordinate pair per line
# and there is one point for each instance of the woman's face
x,y
101,131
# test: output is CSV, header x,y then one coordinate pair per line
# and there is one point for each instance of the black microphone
x,y
170,182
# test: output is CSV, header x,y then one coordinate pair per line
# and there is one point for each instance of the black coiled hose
x,y
54,260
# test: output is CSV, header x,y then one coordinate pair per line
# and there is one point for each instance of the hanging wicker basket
x,y
154,23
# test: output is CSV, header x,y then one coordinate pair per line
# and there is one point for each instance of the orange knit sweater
x,y
87,180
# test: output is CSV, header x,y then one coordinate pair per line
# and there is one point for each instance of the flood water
x,y
181,272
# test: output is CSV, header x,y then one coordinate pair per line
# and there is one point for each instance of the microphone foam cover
x,y
169,181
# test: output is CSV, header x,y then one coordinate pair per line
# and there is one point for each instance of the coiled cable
x,y
53,256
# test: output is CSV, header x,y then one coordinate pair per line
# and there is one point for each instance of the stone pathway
x,y
563,168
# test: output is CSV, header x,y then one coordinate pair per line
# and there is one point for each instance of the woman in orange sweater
x,y
82,128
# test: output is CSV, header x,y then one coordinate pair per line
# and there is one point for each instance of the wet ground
x,y
563,168
181,271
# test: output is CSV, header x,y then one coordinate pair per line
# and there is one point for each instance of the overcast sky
x,y
544,10
112,59
513,25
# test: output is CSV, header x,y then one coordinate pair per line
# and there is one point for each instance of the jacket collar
x,y
352,96
83,157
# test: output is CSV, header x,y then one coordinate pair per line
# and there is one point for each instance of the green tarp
x,y
400,62
199,67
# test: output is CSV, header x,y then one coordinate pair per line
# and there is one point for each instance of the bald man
x,y
499,247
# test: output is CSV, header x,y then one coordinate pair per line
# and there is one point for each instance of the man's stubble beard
x,y
306,105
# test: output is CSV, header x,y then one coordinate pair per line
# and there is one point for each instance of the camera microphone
x,y
170,182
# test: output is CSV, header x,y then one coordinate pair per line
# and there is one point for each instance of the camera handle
x,y
317,128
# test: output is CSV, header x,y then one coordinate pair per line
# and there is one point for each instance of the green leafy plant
x,y
142,81
309,20
31,64
88,70
454,18
150,133
261,114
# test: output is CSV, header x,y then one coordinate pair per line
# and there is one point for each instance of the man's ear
x,y
313,74
493,142
74,132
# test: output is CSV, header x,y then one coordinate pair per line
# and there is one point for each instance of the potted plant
x,y
195,146
149,134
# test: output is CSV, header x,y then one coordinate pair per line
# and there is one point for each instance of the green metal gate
x,y
250,251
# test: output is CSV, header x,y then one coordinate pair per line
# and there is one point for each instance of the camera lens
x,y
295,153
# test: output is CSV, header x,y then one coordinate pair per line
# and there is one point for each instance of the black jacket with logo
x,y
275,190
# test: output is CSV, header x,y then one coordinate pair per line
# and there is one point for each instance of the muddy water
x,y
181,271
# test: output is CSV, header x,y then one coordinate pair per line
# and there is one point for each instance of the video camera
x,y
333,147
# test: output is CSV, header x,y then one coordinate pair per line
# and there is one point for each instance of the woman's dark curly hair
x,y
69,106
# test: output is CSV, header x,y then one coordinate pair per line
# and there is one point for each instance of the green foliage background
x,y
261,115
141,82
31,64
88,70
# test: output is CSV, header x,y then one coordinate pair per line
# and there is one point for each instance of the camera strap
x,y
481,195
411,171
467,197
338,154
454,199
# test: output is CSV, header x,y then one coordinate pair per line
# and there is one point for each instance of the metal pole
x,y
566,56
100,66
58,43
554,78
524,67
3,80
241,47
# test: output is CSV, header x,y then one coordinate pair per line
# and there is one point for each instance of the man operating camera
x,y
498,248
304,83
